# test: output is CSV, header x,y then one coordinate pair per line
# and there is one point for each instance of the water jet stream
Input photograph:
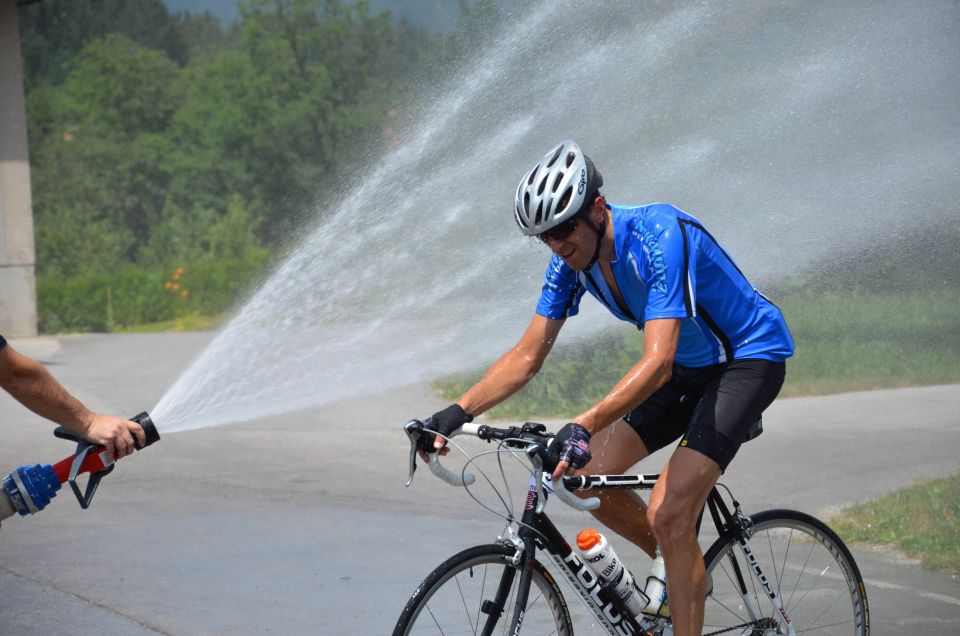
x,y
794,131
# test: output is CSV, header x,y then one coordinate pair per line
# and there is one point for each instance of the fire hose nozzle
x,y
149,429
28,489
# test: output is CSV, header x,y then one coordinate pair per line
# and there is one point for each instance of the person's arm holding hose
x,y
32,385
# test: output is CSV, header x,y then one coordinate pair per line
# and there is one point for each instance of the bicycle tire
x,y
806,564
456,598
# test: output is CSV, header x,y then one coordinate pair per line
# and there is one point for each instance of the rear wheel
x,y
807,566
474,592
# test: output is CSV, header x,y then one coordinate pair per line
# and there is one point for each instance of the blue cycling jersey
x,y
668,266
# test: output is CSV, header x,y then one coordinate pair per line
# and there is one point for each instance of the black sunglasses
x,y
560,232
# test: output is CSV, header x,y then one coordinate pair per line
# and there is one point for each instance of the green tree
x,y
161,141
99,150
52,32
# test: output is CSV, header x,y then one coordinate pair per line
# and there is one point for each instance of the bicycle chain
x,y
730,629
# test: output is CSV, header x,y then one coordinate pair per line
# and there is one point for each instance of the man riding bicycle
x,y
714,351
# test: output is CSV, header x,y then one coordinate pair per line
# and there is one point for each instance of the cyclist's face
x,y
577,248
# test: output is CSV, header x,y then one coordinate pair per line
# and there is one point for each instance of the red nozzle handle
x,y
93,459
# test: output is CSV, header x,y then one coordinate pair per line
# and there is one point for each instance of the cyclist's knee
x,y
670,520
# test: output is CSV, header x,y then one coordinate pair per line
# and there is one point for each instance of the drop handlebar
x,y
529,438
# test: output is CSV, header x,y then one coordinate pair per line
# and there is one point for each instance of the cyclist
x,y
32,385
714,351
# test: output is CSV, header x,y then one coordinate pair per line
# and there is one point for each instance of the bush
x,y
134,295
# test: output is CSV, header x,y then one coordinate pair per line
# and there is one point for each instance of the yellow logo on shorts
x,y
683,443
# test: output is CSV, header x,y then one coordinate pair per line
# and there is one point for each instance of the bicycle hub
x,y
28,489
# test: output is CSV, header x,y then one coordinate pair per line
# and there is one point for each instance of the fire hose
x,y
28,489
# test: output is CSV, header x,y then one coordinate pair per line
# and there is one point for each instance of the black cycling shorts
x,y
714,409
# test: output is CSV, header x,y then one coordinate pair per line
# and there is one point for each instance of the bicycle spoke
x,y
786,555
464,601
733,583
483,587
813,629
809,589
803,570
435,621
773,560
826,609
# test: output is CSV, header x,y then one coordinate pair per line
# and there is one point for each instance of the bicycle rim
x,y
459,597
807,566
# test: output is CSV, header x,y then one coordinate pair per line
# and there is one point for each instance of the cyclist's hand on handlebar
x,y
570,449
444,422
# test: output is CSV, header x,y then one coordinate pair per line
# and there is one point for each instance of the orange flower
x,y
166,285
176,277
184,293
174,287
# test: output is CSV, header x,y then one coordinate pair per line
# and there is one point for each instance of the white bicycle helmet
x,y
558,188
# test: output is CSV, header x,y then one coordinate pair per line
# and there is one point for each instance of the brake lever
x,y
413,429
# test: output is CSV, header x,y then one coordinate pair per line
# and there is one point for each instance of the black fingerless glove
x,y
571,444
444,422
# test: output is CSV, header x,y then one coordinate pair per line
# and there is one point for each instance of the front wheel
x,y
474,592
807,566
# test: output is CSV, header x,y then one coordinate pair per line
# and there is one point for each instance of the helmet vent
x,y
533,173
526,202
570,158
520,220
565,200
556,155
542,187
556,182
539,216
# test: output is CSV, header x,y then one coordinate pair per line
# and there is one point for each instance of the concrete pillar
x,y
18,296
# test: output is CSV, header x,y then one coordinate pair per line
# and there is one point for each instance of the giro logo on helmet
x,y
583,181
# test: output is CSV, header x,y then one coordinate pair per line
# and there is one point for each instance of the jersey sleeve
x,y
560,297
668,266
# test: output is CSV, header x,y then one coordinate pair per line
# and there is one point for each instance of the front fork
x,y
745,527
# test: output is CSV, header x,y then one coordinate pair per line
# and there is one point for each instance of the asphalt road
x,y
301,524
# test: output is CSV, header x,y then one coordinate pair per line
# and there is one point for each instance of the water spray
x,y
28,489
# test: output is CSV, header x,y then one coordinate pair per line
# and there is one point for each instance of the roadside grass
x,y
844,342
188,322
859,340
922,520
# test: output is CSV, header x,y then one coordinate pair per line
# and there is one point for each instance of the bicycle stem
x,y
28,489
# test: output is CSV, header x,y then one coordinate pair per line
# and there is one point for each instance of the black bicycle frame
x,y
537,531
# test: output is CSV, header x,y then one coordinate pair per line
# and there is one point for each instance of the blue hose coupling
x,y
31,488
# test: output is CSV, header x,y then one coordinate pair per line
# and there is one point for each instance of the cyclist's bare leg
x,y
675,505
615,449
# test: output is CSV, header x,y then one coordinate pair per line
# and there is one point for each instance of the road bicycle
x,y
769,573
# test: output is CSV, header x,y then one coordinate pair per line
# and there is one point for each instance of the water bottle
x,y
656,588
609,569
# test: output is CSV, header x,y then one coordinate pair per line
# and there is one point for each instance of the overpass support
x,y
18,299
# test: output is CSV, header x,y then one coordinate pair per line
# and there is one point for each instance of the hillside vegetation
x,y
172,158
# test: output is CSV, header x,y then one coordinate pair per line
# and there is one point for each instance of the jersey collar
x,y
620,230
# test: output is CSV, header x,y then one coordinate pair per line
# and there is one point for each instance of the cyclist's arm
x,y
514,368
660,338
